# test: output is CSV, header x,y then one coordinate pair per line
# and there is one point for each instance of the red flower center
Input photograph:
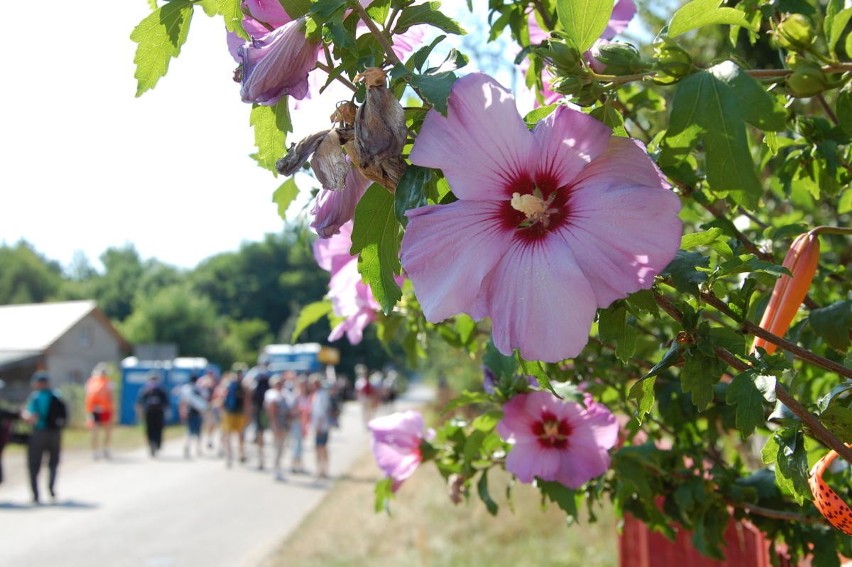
x,y
534,206
552,432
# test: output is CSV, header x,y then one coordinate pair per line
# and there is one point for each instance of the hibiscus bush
x,y
643,241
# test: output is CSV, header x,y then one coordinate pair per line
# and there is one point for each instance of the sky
x,y
87,166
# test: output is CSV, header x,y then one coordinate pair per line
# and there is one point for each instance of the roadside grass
x,y
424,528
124,437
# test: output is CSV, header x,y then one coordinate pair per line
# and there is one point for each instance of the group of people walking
x,y
219,415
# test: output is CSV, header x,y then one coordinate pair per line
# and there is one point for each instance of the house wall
x,y
71,359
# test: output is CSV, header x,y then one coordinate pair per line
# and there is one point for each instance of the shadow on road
x,y
64,504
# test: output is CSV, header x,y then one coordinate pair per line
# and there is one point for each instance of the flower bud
x,y
790,291
830,505
795,32
564,57
806,80
672,62
619,58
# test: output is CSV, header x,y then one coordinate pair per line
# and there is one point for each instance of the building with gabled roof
x,y
66,338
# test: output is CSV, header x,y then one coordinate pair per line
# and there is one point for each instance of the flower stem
x,y
846,231
342,79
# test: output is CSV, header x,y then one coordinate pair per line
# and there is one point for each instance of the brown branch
x,y
792,348
545,15
817,429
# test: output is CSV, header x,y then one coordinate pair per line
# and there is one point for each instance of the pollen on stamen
x,y
533,207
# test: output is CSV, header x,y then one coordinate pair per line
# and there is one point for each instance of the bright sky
x,y
86,166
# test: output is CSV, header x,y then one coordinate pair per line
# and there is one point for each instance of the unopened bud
x,y
672,62
790,291
795,32
806,80
564,57
619,58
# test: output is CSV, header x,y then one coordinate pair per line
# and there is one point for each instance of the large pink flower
x,y
557,440
277,64
395,442
351,299
550,224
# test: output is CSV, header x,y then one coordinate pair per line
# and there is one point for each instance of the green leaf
x,y
714,106
435,89
309,315
561,495
384,494
700,13
285,195
608,115
487,421
833,323
744,394
271,125
232,13
375,239
838,419
501,365
791,463
643,392
210,7
584,20
296,8
536,115
419,58
484,495
325,9
159,37
613,328
411,191
683,273
699,375
836,19
427,13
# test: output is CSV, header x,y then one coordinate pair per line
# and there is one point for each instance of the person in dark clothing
x,y
151,405
7,419
44,438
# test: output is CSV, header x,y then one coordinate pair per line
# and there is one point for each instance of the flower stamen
x,y
536,209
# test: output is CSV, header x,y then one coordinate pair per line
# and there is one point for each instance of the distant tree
x,y
27,276
178,314
115,289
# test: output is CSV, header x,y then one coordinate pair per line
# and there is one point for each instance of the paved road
x,y
168,512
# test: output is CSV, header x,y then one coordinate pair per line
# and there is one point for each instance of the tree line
x,y
225,309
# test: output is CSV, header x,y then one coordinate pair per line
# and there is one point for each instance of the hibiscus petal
x,y
567,141
519,414
268,11
540,301
332,209
527,460
579,465
447,251
624,227
482,145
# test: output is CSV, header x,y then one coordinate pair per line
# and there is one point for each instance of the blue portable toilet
x,y
134,374
173,374
298,358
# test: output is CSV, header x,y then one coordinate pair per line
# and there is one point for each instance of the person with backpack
x,y
151,406
235,406
192,406
47,414
100,409
259,385
279,407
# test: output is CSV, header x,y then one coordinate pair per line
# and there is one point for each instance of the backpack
x,y
57,413
234,397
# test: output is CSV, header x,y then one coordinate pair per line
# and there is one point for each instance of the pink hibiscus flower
x,y
395,442
333,209
557,440
351,298
550,224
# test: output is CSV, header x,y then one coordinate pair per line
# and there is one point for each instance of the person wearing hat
x,y
45,438
7,419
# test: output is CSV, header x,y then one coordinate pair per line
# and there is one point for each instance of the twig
x,y
545,15
341,78
375,31
792,348
817,429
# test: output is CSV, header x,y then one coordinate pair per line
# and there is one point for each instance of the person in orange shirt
x,y
100,410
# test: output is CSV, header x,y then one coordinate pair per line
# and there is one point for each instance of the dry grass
x,y
426,529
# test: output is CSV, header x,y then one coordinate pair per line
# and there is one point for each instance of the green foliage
x,y
714,106
376,241
583,20
700,13
744,394
833,323
271,125
427,13
27,277
309,315
285,195
160,37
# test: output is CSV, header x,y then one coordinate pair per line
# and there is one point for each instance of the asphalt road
x,y
133,510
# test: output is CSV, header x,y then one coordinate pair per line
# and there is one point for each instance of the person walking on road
x,y
192,407
46,412
320,423
7,420
100,410
235,410
259,385
279,407
151,407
